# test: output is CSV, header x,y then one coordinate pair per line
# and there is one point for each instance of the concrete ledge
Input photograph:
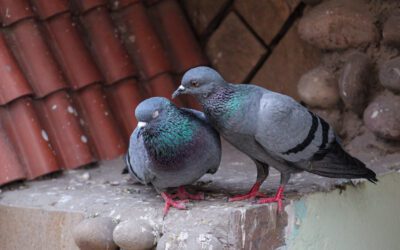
x,y
320,213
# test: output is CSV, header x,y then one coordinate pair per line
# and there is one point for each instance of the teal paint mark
x,y
300,213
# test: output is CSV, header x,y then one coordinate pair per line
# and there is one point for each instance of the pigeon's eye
x,y
155,114
194,84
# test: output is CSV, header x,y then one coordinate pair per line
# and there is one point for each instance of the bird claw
x,y
278,199
252,194
169,202
183,194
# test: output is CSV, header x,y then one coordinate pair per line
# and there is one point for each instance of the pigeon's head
x,y
152,110
199,81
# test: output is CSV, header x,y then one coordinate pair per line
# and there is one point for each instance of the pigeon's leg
x,y
262,174
279,193
183,194
169,202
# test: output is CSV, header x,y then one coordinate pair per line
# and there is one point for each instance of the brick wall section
x,y
254,41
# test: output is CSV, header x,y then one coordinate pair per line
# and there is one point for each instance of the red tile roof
x,y
72,72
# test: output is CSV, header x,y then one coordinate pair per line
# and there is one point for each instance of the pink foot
x,y
278,199
183,194
252,194
169,202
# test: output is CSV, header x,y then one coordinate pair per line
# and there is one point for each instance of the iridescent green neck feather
x,y
169,137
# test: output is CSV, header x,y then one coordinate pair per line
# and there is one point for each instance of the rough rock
x,y
135,235
391,27
338,24
318,88
95,234
354,81
389,74
184,240
382,116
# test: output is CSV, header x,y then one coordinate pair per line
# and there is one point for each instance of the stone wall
x,y
339,57
254,41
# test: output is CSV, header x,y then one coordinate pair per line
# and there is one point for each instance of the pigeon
x,y
272,129
172,147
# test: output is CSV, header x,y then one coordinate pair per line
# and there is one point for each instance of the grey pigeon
x,y
272,129
172,147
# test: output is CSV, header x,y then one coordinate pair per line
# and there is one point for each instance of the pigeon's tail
x,y
336,163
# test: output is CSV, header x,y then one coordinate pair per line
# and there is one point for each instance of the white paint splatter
x,y
183,236
84,139
65,199
374,114
70,109
44,135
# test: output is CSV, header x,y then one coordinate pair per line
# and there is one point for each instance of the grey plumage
x,y
273,129
176,146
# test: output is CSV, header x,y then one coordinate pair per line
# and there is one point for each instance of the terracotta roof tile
x,y
86,5
30,138
56,131
124,97
12,81
179,40
47,9
108,51
71,52
120,4
62,123
163,85
35,58
142,40
99,122
11,168
12,11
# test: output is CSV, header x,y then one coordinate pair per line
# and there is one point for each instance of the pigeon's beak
x,y
178,92
141,124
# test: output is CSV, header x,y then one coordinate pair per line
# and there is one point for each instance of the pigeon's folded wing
x,y
288,130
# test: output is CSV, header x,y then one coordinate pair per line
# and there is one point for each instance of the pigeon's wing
x,y
137,160
288,130
196,113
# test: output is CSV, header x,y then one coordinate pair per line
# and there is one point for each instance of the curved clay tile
x,y
99,122
111,57
182,47
12,11
74,57
30,138
62,123
163,85
11,168
47,9
120,4
35,58
123,97
12,81
142,40
85,5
